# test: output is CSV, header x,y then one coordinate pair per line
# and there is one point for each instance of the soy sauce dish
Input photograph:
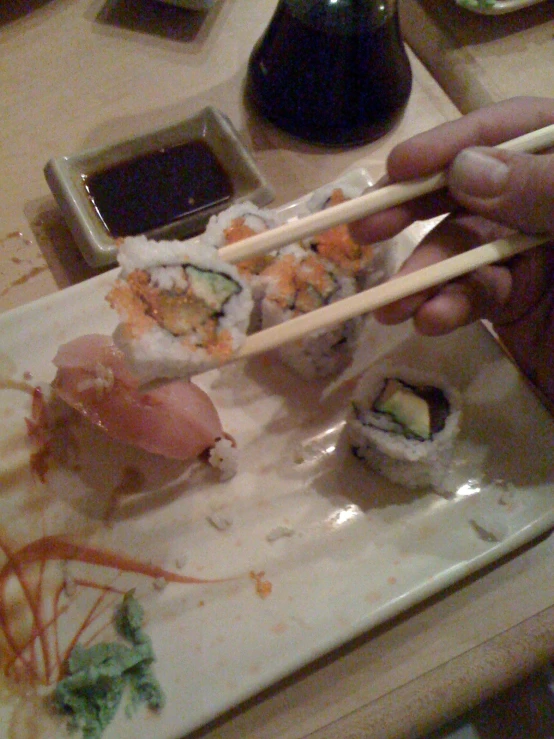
x,y
165,184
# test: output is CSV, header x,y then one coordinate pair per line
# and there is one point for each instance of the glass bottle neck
x,y
334,15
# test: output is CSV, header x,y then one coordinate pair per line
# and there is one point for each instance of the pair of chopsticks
x,y
395,289
364,205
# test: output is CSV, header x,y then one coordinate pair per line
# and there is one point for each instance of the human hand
x,y
490,193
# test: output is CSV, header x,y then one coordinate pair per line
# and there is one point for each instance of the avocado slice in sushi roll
x,y
420,411
404,422
193,303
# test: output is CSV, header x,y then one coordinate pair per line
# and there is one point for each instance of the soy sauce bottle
x,y
331,72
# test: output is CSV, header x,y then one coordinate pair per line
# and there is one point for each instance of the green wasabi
x,y
99,675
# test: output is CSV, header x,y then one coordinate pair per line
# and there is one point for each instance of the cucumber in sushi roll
x,y
404,423
182,309
234,224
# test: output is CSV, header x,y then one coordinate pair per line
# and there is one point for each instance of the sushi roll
x,y
234,224
238,222
298,282
182,309
350,186
404,424
369,264
337,245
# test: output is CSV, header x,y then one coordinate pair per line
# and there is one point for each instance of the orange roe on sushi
x,y
237,231
303,284
124,300
337,245
144,305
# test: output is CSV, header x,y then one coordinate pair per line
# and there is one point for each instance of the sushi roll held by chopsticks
x,y
182,308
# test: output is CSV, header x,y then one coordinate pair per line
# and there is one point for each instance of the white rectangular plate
x,y
354,549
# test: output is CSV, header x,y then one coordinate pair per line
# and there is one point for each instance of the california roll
x,y
337,245
182,308
297,282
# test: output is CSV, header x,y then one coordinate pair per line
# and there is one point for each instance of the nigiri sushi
x,y
176,420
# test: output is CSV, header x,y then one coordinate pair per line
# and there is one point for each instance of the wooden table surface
x,y
481,59
87,72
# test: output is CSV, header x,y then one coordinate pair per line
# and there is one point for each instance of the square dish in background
x,y
208,148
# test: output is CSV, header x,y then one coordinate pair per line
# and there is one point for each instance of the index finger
x,y
433,150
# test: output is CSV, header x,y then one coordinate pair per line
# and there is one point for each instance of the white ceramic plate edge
x,y
500,7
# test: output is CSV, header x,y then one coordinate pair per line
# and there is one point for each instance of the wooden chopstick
x,y
388,292
364,205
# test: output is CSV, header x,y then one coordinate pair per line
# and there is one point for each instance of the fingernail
x,y
477,173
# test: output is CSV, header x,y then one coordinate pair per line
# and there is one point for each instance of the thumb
x,y
514,189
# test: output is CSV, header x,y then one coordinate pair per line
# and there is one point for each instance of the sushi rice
x,y
182,309
223,456
377,439
239,222
297,282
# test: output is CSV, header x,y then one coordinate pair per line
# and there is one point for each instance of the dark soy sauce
x,y
158,188
333,73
